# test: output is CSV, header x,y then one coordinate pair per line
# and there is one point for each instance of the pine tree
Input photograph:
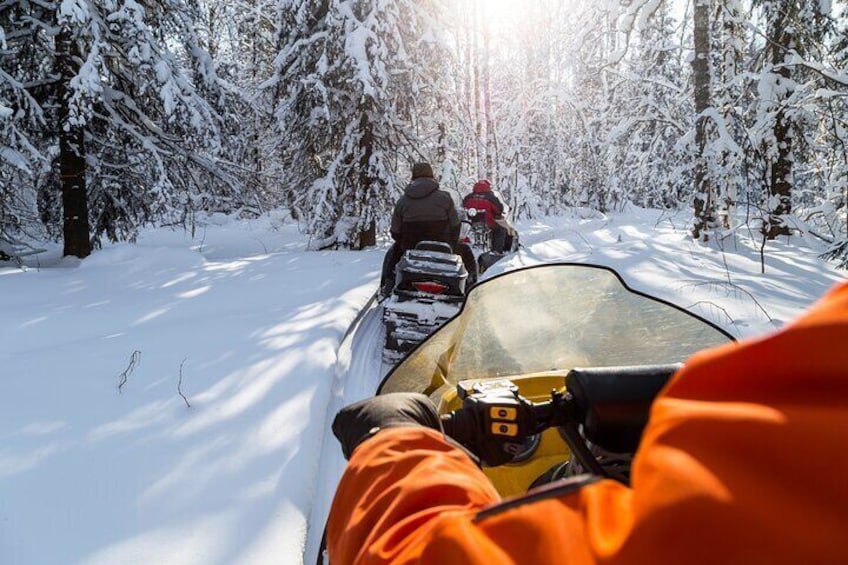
x,y
26,84
655,115
129,97
241,37
154,122
352,76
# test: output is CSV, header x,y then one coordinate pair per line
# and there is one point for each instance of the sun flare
x,y
513,20
501,15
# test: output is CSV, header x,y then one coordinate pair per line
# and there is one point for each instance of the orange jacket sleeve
x,y
744,460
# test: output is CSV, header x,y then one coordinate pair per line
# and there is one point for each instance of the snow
x,y
216,448
13,157
73,11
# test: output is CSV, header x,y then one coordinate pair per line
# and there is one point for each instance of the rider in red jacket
x,y
485,200
743,460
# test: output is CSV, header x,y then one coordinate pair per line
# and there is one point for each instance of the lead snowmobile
x,y
429,289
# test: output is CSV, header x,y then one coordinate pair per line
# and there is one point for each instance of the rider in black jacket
x,y
423,213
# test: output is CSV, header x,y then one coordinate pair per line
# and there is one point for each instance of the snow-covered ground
x,y
169,401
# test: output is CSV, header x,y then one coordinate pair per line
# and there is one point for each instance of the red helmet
x,y
482,185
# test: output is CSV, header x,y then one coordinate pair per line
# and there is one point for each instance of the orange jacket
x,y
744,460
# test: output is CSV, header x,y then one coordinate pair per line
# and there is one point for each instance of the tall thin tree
x,y
703,204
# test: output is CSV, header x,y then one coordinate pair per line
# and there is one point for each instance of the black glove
x,y
359,421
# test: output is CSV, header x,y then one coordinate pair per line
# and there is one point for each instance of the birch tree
x,y
703,203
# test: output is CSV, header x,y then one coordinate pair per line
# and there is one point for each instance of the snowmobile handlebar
x,y
604,406
494,425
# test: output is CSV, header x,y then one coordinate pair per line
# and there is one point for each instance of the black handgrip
x,y
461,426
612,403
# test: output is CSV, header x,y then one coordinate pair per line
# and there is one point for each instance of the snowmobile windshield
x,y
551,318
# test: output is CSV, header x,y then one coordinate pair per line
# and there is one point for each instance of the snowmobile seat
x,y
437,246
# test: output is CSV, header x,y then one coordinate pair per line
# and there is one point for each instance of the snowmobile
x,y
478,235
549,371
430,286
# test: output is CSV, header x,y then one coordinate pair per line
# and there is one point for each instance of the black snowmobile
x,y
429,289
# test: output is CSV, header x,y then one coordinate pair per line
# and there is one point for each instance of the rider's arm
x,y
398,487
453,217
496,201
397,222
741,462
409,496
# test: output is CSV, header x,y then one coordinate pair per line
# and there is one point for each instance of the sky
x,y
169,401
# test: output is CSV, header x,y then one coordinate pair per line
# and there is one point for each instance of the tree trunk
x,y
780,180
491,141
366,237
731,56
442,144
701,77
71,152
480,115
780,184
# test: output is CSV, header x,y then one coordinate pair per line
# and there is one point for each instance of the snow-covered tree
x,y
151,96
655,114
127,102
703,191
727,164
520,127
26,84
792,29
241,36
353,75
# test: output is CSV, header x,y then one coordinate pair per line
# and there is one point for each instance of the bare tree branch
x,y
135,360
735,288
180,384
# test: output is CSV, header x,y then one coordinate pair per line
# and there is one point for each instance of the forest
x,y
116,114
